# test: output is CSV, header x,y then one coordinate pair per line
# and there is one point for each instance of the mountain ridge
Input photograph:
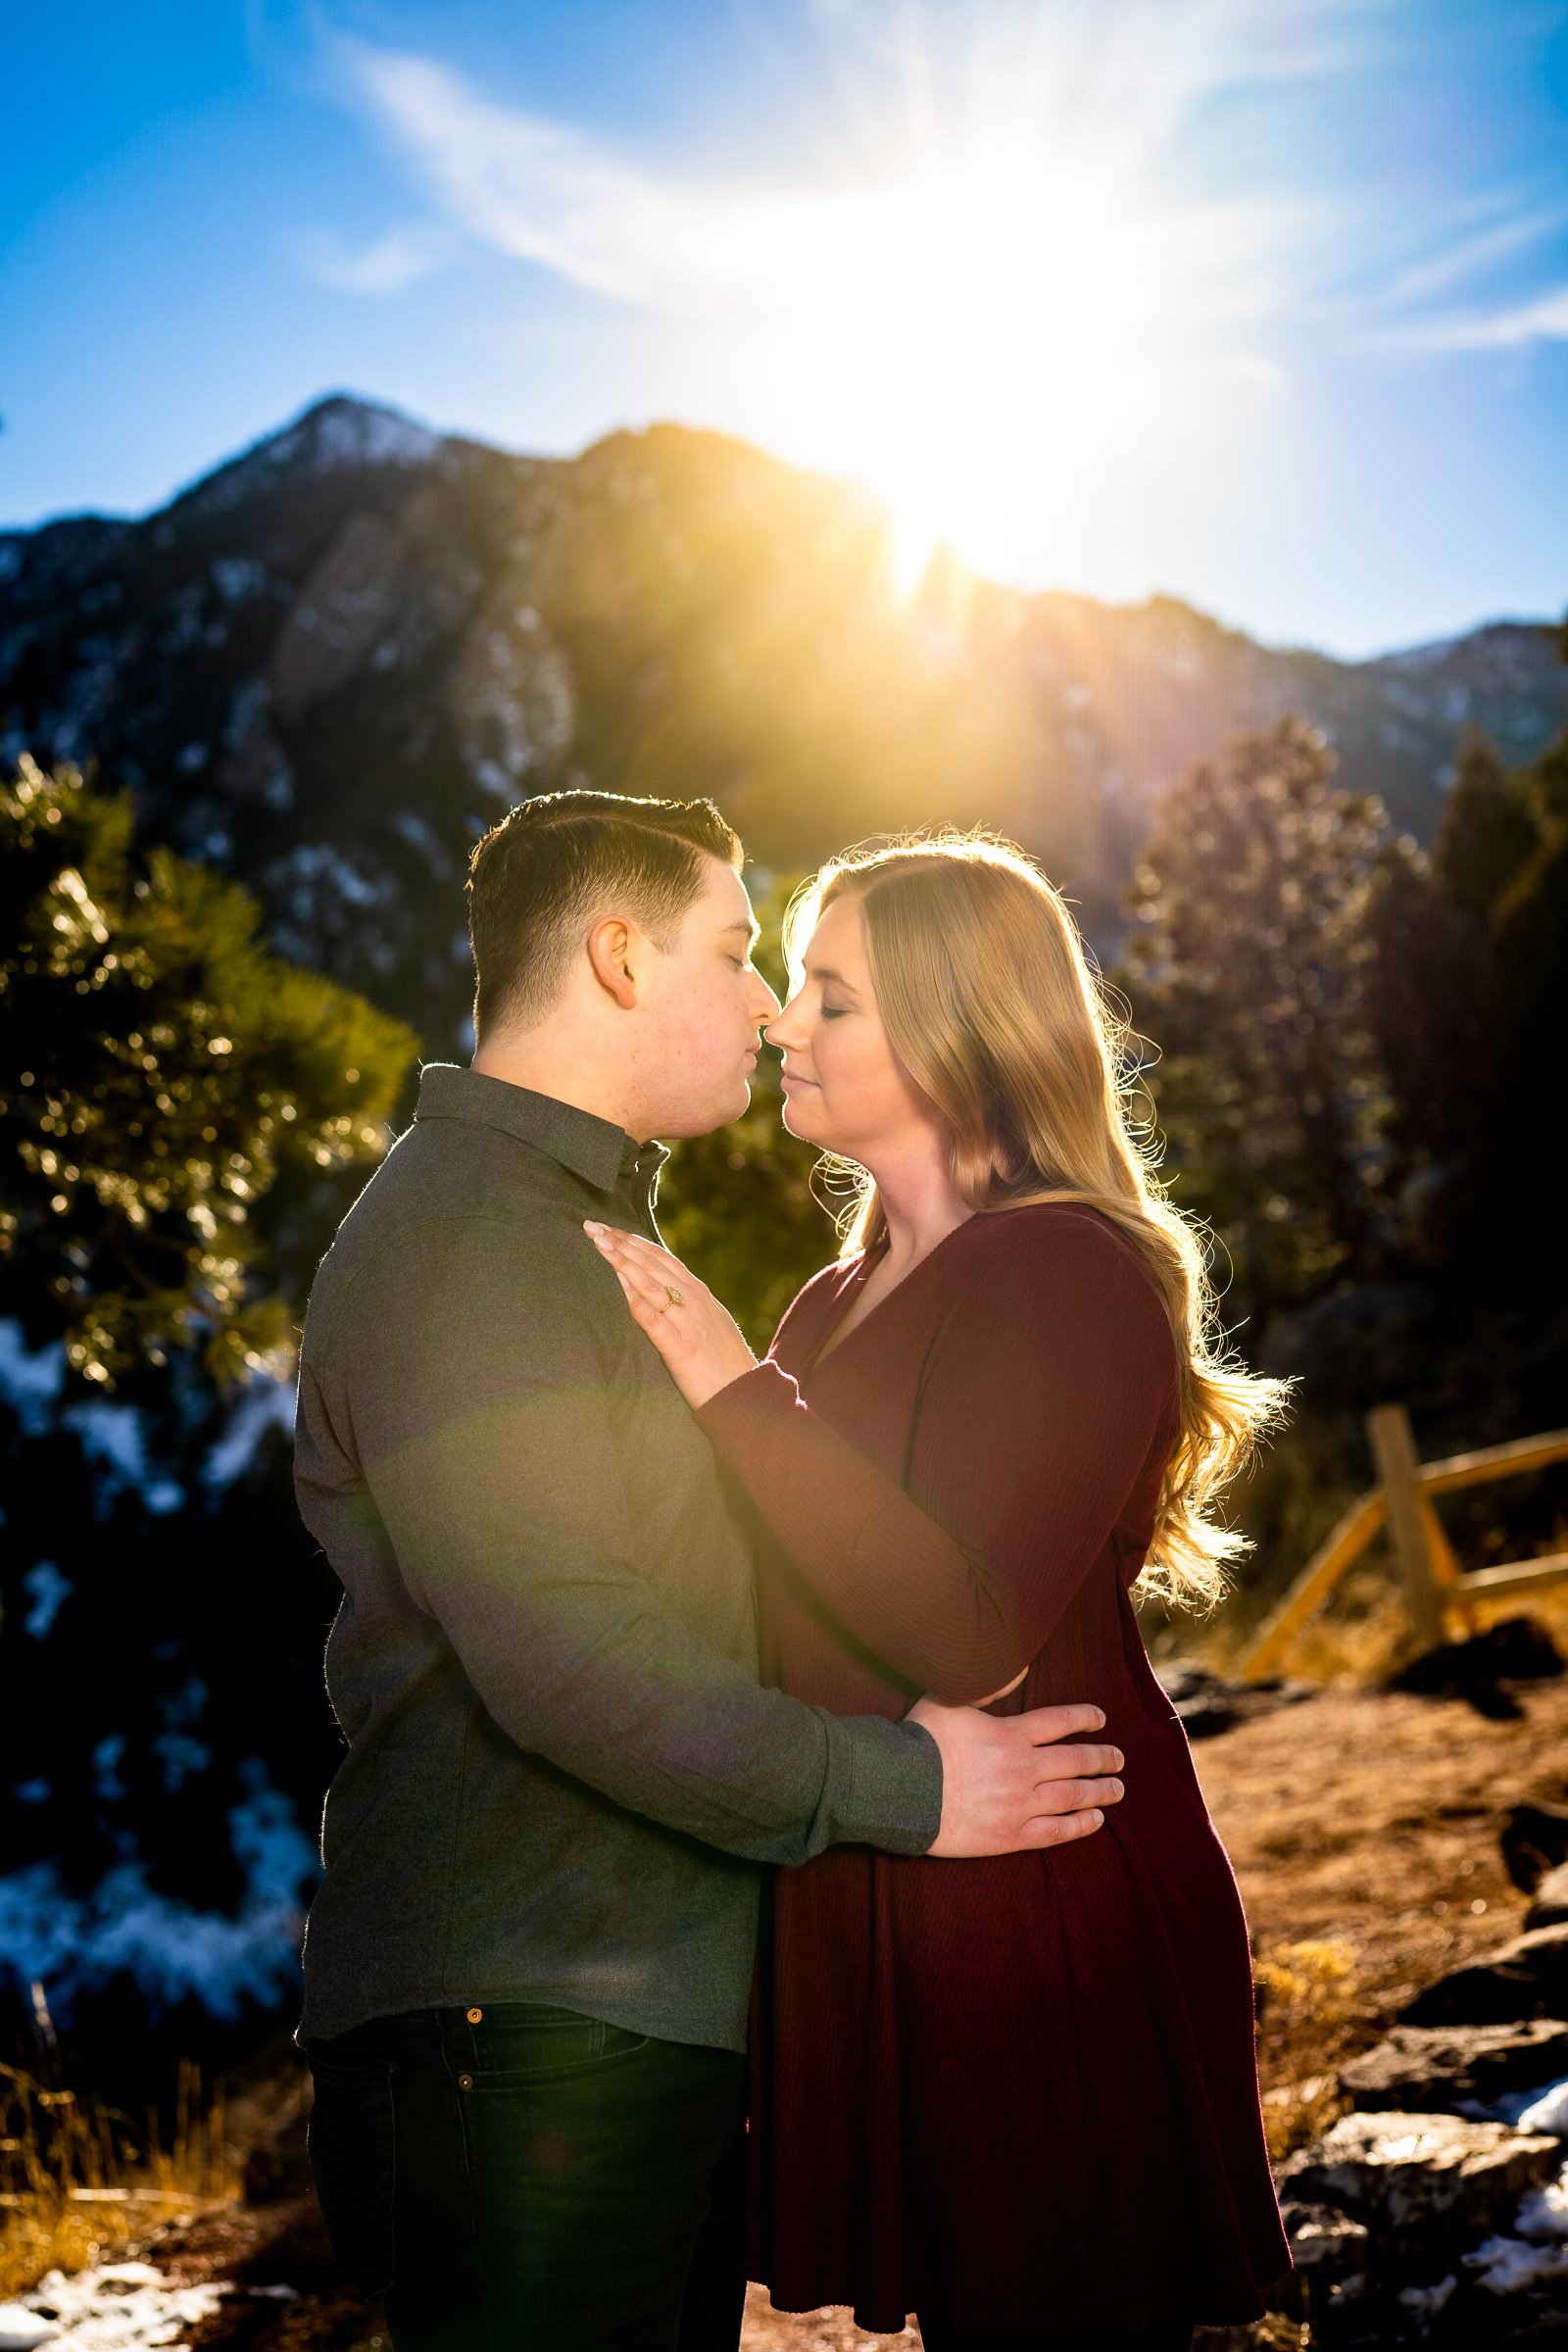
x,y
331,660
419,441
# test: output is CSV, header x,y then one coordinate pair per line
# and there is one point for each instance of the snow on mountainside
x,y
329,663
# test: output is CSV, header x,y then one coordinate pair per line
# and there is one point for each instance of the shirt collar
x,y
601,1154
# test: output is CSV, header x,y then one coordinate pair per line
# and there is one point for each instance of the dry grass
x,y
80,2180
1307,2011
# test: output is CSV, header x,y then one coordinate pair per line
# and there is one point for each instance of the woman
x,y
1016,2095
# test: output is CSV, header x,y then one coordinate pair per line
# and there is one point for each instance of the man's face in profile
x,y
706,1004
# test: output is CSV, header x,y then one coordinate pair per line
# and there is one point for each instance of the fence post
x,y
1393,1453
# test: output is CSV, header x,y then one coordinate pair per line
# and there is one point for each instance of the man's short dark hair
x,y
540,879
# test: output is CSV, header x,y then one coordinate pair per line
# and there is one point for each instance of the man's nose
x,y
764,1005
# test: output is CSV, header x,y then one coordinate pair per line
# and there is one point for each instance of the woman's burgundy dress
x,y
1018,2092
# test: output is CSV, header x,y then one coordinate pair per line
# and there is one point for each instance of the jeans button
x,y
474,2016
465,2081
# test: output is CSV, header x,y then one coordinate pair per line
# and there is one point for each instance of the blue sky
x,y
1262,303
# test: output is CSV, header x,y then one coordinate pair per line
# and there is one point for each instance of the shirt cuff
x,y
894,1800
743,1406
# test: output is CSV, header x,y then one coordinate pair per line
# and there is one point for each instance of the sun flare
x,y
972,344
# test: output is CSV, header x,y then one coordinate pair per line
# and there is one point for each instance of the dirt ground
x,y
1365,1829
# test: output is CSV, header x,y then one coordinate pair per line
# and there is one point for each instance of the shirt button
x,y
465,2081
474,2016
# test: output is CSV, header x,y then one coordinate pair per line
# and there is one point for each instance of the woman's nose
x,y
779,1029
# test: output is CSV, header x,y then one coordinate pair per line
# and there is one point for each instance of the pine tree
x,y
1247,971
1468,999
161,1068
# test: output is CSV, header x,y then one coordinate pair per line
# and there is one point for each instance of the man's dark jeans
x,y
519,2177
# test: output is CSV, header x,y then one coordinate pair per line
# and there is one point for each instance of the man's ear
x,y
612,946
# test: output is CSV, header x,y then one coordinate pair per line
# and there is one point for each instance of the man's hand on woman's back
x,y
1014,1781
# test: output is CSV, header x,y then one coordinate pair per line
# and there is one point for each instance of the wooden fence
x,y
1439,1594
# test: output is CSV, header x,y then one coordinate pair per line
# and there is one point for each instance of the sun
x,y
974,343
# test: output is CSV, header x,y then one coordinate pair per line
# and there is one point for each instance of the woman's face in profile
x,y
844,1087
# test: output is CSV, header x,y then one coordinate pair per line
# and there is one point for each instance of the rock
x,y
1484,1668
1426,2185
1206,1704
1544,2331
1549,1908
1329,2249
1526,1978
1441,2069
1535,1841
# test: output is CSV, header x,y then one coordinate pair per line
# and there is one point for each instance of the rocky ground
x,y
1381,1840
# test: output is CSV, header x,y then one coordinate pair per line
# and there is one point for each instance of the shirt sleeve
x,y
1049,1380
484,1427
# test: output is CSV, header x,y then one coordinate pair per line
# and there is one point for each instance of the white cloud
x,y
1543,319
388,263
730,249
1458,262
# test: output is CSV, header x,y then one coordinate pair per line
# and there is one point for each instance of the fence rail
x,y
1438,1591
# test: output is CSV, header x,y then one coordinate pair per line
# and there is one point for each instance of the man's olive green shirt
x,y
562,1772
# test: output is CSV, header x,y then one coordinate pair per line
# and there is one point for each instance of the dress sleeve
x,y
1050,1381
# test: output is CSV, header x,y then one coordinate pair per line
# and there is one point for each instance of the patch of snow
x,y
1543,2213
264,1403
108,1787
88,693
115,1443
237,579
183,632
316,873
72,1944
21,2328
334,435
1548,2111
1427,2301
182,1757
421,837
46,1588
1507,2265
1536,2249
29,1383
513,702
118,2307
347,433
248,715
1421,657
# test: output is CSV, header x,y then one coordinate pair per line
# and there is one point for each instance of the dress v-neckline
x,y
831,1342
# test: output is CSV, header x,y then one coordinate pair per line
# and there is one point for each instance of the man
x,y
527,1966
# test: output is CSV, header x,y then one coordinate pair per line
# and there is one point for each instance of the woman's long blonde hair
x,y
990,1005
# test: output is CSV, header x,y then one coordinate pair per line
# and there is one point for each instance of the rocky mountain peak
x,y
340,433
